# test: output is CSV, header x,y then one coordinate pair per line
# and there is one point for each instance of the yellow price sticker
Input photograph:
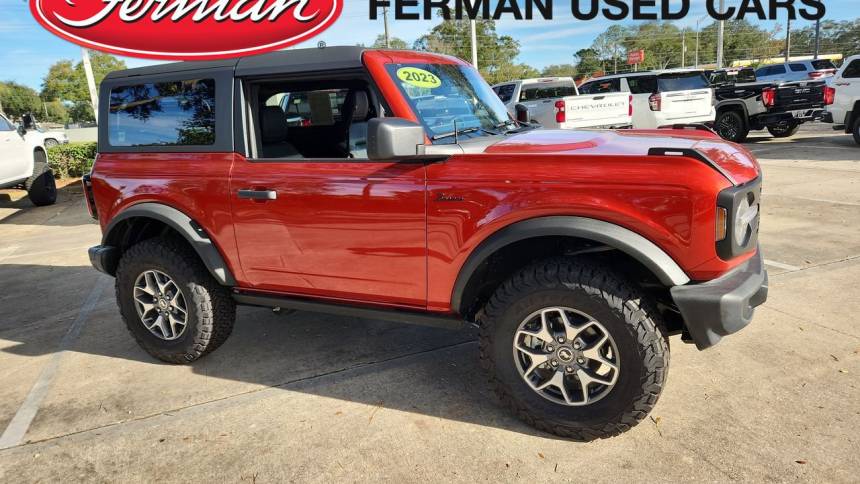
x,y
418,77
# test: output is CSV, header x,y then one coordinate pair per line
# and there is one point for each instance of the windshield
x,y
681,81
445,95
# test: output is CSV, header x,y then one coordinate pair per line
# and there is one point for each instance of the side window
x,y
778,69
853,70
505,92
175,113
5,125
642,84
296,121
601,87
798,68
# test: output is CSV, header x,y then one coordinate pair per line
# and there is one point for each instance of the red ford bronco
x,y
394,185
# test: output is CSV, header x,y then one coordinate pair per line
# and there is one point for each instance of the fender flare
x,y
184,225
735,102
620,238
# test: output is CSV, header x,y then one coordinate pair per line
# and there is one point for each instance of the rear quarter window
x,y
642,84
823,64
684,81
798,68
173,113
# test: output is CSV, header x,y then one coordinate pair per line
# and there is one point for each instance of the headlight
x,y
741,205
745,216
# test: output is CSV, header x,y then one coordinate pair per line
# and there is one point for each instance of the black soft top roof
x,y
284,61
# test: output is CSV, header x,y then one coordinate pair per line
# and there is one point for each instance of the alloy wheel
x,y
566,356
160,305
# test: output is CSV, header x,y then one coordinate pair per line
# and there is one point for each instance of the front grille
x,y
743,204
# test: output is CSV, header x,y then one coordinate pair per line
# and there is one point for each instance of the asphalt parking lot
x,y
310,397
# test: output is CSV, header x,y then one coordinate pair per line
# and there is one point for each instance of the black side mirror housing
x,y
22,130
523,114
394,139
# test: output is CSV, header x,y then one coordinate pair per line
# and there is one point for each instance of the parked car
x,y
661,98
803,70
41,135
24,164
555,103
576,252
744,104
845,110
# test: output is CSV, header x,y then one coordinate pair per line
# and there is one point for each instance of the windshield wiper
x,y
455,133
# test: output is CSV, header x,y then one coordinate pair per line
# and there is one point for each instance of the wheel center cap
x,y
565,355
162,304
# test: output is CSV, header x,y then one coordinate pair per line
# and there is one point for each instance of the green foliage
x,y
559,70
18,99
67,81
837,37
72,160
496,53
588,62
394,43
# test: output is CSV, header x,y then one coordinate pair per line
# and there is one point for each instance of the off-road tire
x,y
41,186
621,307
739,133
784,131
211,309
856,130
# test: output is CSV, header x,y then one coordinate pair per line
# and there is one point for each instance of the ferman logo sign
x,y
186,29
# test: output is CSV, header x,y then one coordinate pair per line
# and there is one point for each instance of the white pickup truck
x,y
24,164
555,102
845,110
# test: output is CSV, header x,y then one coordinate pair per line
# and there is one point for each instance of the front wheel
x,y
730,125
573,349
50,143
784,130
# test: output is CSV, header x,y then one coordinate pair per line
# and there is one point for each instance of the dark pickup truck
x,y
743,104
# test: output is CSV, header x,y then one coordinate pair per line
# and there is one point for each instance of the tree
x,y
394,43
496,53
67,81
507,72
588,62
18,99
610,46
559,70
837,37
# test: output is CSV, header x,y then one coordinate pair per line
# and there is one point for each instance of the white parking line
x,y
20,424
780,265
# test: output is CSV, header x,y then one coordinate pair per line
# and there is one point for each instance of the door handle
x,y
258,194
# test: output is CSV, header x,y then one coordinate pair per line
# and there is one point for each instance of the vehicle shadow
x,y
16,208
424,371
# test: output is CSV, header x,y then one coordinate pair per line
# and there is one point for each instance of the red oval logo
x,y
186,29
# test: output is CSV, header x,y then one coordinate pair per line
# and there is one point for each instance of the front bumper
x,y
725,305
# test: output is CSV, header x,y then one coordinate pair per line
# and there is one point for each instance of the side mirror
x,y
22,130
394,138
523,114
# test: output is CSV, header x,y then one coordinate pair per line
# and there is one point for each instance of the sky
x,y
27,50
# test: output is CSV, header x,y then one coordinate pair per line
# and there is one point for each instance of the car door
x,y
16,159
847,84
311,224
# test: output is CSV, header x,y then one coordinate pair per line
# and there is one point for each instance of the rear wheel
x,y
170,303
730,125
41,186
785,129
573,349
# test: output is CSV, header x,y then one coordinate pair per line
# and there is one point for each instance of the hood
x,y
733,159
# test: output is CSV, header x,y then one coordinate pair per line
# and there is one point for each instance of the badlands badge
x,y
186,29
